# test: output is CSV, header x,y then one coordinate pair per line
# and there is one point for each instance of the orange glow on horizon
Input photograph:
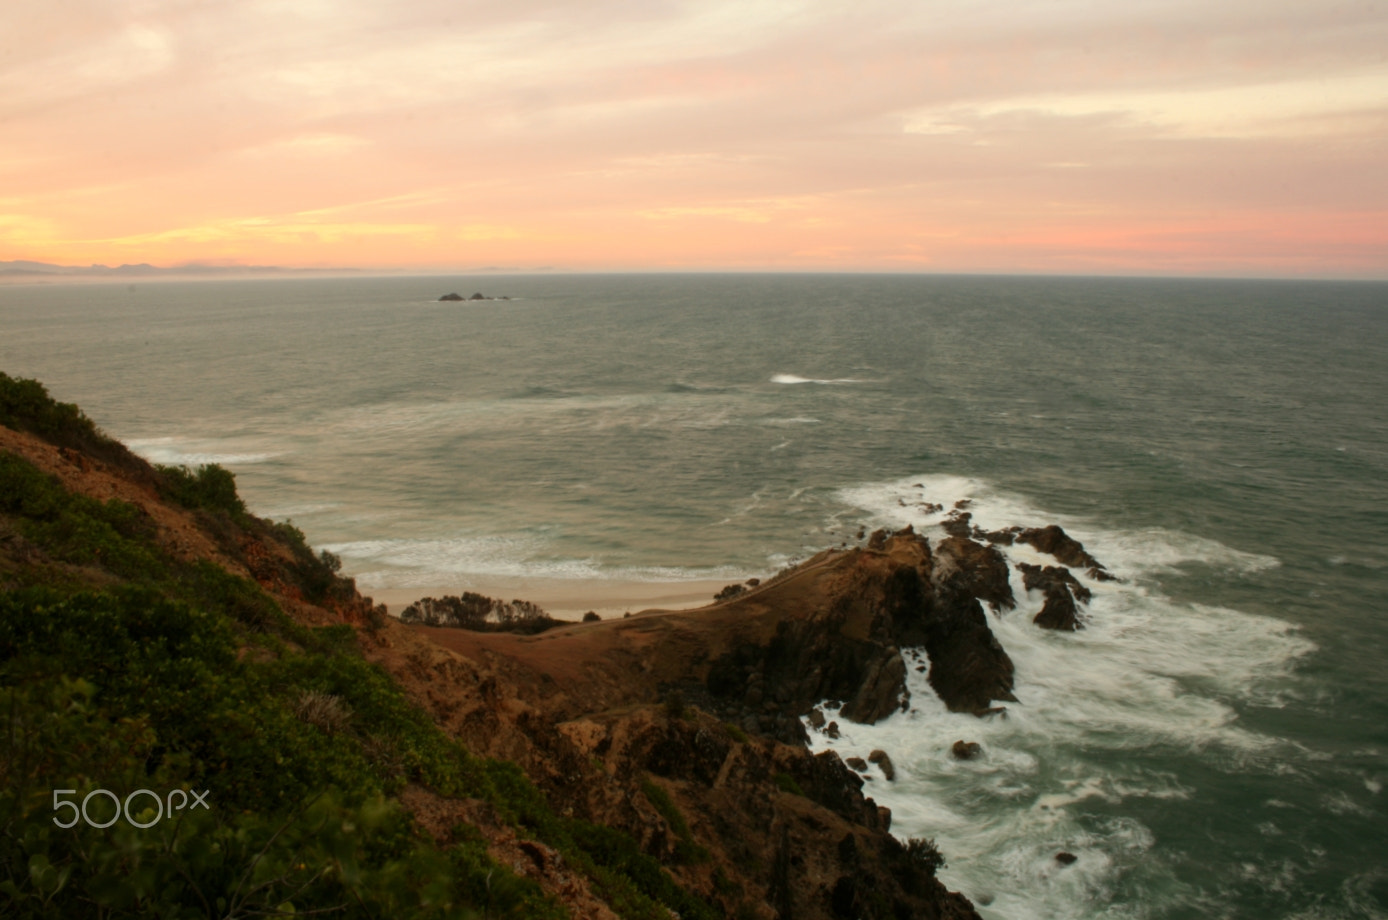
x,y
757,135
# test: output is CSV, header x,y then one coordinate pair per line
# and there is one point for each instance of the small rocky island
x,y
477,296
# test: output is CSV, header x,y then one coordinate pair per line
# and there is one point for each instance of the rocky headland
x,y
683,732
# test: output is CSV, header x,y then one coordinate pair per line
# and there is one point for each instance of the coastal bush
x,y
479,613
210,487
26,406
212,587
659,798
686,851
925,854
75,529
634,882
786,783
316,574
728,592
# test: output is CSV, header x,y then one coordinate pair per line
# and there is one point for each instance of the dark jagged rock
x,y
1065,548
479,296
935,604
1007,536
839,630
1066,859
878,540
883,691
958,524
966,750
884,763
453,296
857,763
1063,594
975,569
1043,578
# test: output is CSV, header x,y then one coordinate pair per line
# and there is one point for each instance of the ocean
x,y
1213,744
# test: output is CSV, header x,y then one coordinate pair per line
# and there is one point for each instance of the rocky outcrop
x,y
965,567
1056,542
839,626
1064,593
966,750
884,763
455,296
968,667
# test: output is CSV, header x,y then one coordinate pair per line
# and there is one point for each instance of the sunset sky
x,y
1176,137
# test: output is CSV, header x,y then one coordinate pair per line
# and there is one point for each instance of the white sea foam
x,y
793,420
1132,552
190,452
791,379
430,563
1147,674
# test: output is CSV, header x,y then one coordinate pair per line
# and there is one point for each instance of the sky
x,y
1181,137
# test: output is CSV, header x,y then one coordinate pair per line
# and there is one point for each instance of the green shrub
x,y
925,854
75,529
209,487
786,783
26,406
686,850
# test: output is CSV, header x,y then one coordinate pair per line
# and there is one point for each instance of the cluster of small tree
x,y
478,612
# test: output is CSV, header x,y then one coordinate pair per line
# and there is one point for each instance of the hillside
x,y
154,635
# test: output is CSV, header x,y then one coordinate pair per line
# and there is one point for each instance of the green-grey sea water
x,y
1214,744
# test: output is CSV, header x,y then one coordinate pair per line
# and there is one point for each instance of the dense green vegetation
x,y
686,850
480,613
124,669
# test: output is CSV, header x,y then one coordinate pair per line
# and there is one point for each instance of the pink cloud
x,y
969,136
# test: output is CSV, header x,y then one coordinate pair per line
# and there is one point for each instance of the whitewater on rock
x,y
1094,711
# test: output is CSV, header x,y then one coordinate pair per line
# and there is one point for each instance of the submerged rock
x,y
1065,858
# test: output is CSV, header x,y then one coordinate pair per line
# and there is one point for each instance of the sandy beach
x,y
568,599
